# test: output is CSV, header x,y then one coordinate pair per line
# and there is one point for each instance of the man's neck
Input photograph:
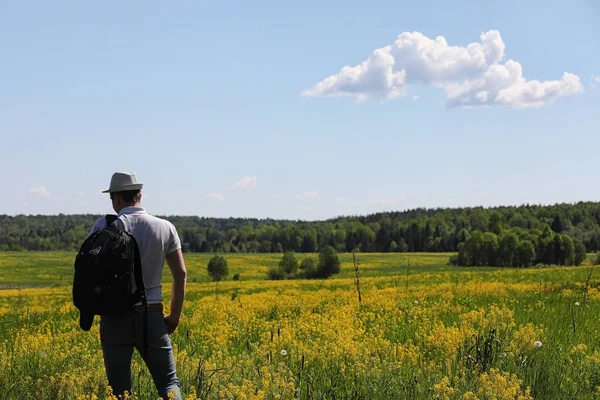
x,y
129,205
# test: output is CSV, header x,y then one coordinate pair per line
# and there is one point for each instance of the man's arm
x,y
177,266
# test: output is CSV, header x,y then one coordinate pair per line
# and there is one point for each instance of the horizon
x,y
298,112
399,211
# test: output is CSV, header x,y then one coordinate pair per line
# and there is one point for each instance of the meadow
x,y
423,330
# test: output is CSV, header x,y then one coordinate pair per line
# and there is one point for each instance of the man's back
x,y
156,238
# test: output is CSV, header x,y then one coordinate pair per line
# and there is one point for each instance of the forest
x,y
418,230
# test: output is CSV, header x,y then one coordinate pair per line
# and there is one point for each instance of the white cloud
x,y
415,98
386,200
215,196
595,79
308,196
81,193
471,75
39,191
480,194
340,200
277,197
247,183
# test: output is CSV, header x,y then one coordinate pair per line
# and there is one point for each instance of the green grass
x,y
53,269
56,268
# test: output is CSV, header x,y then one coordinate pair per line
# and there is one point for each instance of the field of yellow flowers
x,y
424,330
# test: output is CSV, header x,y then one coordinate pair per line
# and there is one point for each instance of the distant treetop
x,y
418,230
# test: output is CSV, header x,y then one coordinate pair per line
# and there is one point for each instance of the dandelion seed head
x,y
284,352
537,344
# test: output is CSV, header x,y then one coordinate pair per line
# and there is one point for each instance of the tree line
x,y
519,248
418,230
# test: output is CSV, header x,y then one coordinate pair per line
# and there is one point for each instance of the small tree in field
x,y
286,269
308,268
288,264
329,263
275,274
218,268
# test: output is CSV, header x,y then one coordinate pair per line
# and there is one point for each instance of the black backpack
x,y
105,267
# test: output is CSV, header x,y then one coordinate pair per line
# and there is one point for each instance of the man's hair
x,y
128,196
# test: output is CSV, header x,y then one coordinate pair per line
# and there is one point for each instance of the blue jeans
x,y
120,334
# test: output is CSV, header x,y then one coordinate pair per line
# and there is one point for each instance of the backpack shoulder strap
x,y
110,219
140,288
137,271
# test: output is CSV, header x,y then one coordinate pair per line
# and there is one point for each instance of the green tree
x,y
490,248
275,274
461,258
525,253
393,246
252,246
434,245
559,224
308,268
569,250
402,246
217,268
473,250
309,242
508,249
564,250
329,263
264,246
496,223
545,251
383,236
288,263
366,238
338,238
580,252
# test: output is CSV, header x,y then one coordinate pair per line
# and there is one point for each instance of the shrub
x,y
217,268
288,264
308,268
275,274
329,263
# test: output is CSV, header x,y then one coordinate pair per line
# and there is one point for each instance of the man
x,y
158,241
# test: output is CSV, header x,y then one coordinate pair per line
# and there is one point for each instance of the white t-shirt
x,y
156,238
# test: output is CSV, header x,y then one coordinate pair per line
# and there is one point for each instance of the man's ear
x,y
140,197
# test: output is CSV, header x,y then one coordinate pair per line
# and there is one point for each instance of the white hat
x,y
122,181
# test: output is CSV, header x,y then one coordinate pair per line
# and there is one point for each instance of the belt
x,y
158,307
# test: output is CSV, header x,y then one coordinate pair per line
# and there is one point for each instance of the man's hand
x,y
171,322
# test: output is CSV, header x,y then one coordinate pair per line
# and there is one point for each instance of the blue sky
x,y
226,109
